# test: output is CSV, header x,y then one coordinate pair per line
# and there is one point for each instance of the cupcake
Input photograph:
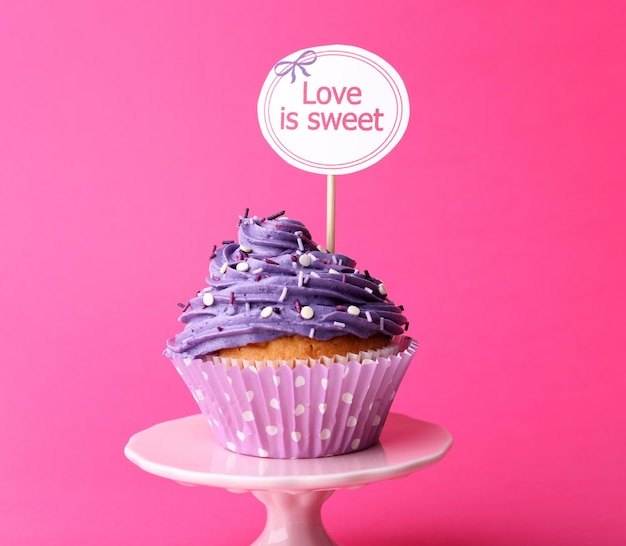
x,y
290,351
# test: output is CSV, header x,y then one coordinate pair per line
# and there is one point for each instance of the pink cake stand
x,y
292,490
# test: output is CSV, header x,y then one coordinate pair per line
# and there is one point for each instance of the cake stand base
x,y
292,490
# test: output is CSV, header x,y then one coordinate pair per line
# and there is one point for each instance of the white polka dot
x,y
324,383
250,395
180,371
275,403
304,260
230,446
346,371
322,408
229,379
347,397
243,266
208,299
325,434
262,452
248,416
271,430
355,443
276,380
376,421
351,421
296,436
267,311
199,395
205,375
300,380
227,396
307,312
216,422
240,435
299,409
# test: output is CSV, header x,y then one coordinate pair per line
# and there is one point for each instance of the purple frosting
x,y
278,282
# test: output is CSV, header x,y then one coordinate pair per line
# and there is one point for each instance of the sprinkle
x,y
277,310
247,306
354,310
401,307
344,278
268,261
340,324
321,248
181,305
305,281
368,290
300,244
224,268
219,328
382,323
367,274
243,266
245,214
245,249
304,260
257,278
300,278
267,311
368,316
313,257
213,252
297,305
232,298
334,259
208,299
294,258
341,308
228,242
257,270
314,274
294,263
307,312
298,233
283,294
382,289
333,271
274,216
406,326
311,333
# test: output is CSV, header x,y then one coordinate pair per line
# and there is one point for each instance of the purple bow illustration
x,y
300,62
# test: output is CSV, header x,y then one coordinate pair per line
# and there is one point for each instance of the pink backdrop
x,y
129,144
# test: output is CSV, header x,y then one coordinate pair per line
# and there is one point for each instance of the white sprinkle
x,y
354,310
314,258
243,266
304,260
382,289
340,261
298,233
208,299
334,271
247,306
340,324
283,294
356,271
267,311
294,264
300,278
307,312
224,268
368,316
305,281
321,248
314,274
245,249
300,245
257,270
311,333
368,290
334,259
382,323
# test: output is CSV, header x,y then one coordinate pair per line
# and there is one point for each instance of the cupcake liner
x,y
304,411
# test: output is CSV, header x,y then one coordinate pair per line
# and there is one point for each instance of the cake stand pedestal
x,y
292,490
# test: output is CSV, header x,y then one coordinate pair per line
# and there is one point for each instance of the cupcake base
x,y
303,411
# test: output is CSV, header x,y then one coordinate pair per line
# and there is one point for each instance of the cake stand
x,y
292,490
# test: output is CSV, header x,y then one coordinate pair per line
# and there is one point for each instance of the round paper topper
x,y
333,109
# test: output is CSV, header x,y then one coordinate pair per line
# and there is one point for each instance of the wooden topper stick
x,y
330,213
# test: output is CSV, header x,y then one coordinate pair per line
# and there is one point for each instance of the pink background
x,y
129,144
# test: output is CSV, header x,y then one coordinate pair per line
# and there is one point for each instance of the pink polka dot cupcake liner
x,y
301,411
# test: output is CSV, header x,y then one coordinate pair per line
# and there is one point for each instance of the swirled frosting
x,y
275,282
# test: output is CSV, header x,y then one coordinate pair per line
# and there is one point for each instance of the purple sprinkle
x,y
274,216
297,305
232,298
227,242
181,305
272,262
406,326
344,278
341,308
257,277
245,214
219,328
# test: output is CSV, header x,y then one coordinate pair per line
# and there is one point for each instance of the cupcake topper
x,y
333,110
